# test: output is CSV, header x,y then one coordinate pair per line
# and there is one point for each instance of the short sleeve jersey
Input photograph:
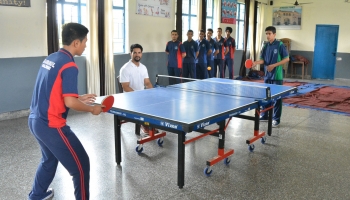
x,y
57,78
203,47
272,53
133,74
191,48
214,47
175,50
221,45
231,45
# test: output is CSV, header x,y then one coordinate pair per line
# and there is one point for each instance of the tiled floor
x,y
305,158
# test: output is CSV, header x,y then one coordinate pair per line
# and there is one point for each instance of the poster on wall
x,y
287,17
159,8
18,3
228,11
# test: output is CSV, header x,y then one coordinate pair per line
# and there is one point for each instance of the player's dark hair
x,y
271,28
202,31
135,46
229,29
190,31
211,30
220,29
174,31
73,31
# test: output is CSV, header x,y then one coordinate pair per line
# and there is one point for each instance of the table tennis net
x,y
223,88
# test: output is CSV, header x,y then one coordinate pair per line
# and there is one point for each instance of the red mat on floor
x,y
326,98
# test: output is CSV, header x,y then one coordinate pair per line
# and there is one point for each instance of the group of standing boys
x,y
204,58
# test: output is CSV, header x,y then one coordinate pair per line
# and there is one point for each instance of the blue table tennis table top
x,y
187,110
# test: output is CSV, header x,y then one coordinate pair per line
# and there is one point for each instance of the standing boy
x,y
214,51
229,56
273,56
219,59
176,52
204,51
55,91
189,63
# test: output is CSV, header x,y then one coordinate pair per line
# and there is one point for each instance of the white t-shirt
x,y
133,74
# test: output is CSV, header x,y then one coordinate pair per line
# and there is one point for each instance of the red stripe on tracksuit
x,y
81,172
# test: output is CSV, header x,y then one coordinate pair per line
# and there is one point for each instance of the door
x,y
325,51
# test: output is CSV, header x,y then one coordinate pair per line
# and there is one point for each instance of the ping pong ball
x,y
209,68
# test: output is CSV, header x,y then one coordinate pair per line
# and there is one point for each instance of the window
x,y
76,11
189,17
118,26
70,11
210,14
240,26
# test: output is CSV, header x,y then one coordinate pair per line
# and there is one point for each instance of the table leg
x,y
181,160
269,125
117,140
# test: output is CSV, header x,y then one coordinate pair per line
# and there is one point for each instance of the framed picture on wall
x,y
287,17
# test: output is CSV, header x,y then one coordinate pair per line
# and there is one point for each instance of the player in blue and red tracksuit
x,y
176,52
229,56
189,62
220,57
204,51
214,51
56,91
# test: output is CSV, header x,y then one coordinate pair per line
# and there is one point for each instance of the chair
x,y
303,68
287,43
120,88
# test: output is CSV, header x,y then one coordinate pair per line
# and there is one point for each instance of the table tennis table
x,y
192,106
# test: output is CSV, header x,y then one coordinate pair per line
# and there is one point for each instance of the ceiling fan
x,y
297,3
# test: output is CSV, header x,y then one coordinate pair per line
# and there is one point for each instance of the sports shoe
x,y
275,124
263,118
49,194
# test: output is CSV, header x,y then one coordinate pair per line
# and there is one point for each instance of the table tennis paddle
x,y
248,63
107,102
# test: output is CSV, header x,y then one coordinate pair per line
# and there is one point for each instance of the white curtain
x,y
199,16
260,32
110,87
251,28
217,14
92,61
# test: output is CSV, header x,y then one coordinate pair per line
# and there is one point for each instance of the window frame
x,y
123,9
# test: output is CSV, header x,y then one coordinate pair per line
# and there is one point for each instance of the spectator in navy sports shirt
x,y
214,51
204,51
220,56
176,52
189,62
229,56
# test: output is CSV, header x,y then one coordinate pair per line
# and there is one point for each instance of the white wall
x,y
151,32
23,30
332,12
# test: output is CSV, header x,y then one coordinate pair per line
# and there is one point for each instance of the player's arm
x,y
75,104
148,83
87,98
126,87
167,49
183,51
271,67
216,52
227,48
258,62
